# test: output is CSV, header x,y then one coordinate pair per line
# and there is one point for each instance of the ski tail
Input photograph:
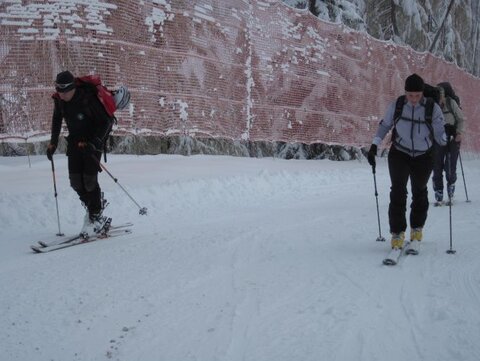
x,y
395,254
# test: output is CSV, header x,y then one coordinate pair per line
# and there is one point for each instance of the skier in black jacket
x,y
88,125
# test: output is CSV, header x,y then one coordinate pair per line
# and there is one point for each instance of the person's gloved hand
x,y
92,146
50,151
371,155
450,130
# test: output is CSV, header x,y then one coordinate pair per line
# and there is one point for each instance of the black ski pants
x,y
445,160
83,167
403,167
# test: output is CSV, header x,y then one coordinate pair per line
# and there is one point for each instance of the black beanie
x,y
414,83
64,82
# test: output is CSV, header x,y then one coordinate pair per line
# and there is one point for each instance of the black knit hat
x,y
64,82
414,83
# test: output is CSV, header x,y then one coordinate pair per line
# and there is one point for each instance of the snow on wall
x,y
237,69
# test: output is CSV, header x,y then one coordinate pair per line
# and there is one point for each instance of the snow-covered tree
x,y
447,28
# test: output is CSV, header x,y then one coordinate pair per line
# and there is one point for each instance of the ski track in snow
x,y
238,259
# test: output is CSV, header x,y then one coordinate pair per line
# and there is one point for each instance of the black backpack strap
x,y
398,109
429,104
397,114
109,138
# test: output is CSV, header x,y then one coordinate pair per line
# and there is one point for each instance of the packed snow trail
x,y
238,259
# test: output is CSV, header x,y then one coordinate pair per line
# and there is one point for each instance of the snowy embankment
x,y
238,259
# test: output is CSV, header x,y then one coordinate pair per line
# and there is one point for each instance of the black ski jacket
x,y
85,116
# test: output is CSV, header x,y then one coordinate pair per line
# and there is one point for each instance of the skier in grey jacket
x,y
410,156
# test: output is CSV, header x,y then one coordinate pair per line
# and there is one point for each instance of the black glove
x,y
371,155
50,150
450,130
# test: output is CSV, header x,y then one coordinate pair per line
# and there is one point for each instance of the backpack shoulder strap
x,y
429,104
398,109
397,114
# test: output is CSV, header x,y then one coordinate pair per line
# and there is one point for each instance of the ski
x,y
443,203
80,240
394,255
68,239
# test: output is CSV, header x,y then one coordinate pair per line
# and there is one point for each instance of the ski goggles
x,y
62,88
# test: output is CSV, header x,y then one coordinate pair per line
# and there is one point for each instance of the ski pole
x,y
56,200
449,159
28,154
463,176
143,210
450,250
380,238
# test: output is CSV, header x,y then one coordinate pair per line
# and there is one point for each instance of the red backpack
x,y
114,100
104,95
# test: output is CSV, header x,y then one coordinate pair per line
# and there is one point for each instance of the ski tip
x,y
36,249
389,262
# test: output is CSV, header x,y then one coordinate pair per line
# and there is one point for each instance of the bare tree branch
x,y
441,26
312,7
393,18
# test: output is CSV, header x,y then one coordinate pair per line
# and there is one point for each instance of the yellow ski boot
x,y
397,249
398,240
416,236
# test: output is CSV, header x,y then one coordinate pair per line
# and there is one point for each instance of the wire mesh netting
x,y
235,69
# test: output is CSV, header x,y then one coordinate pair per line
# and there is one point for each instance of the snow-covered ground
x,y
238,259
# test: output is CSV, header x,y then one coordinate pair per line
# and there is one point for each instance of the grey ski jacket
x,y
413,135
